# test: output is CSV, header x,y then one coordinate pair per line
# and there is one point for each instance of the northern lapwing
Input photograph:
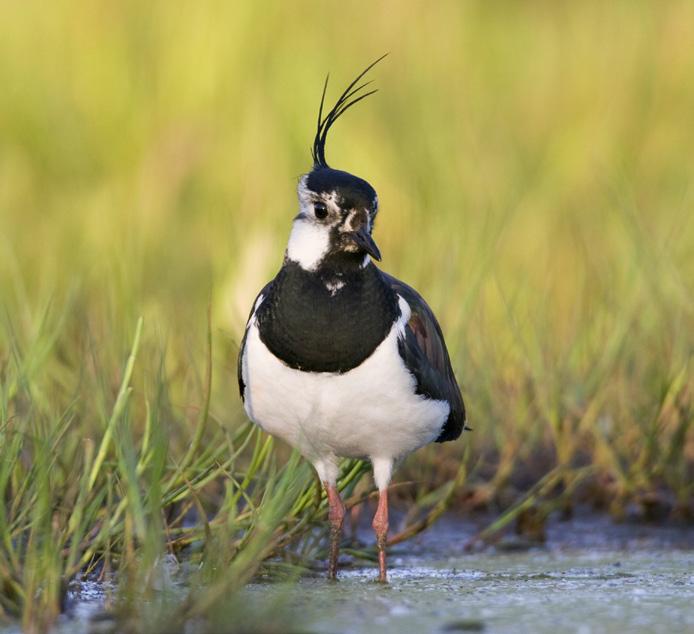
x,y
340,359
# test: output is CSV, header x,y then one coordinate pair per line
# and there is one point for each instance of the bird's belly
x,y
370,411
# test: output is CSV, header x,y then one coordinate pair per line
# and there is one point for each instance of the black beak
x,y
364,241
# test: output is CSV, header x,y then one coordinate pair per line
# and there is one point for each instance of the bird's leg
x,y
380,526
336,514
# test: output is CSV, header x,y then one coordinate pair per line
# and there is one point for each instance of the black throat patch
x,y
326,321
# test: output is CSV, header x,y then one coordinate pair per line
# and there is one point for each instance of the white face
x,y
320,220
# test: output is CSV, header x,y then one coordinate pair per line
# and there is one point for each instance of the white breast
x,y
370,411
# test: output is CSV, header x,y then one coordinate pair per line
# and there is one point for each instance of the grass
x,y
534,168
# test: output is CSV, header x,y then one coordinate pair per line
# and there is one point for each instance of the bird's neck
x,y
327,320
343,264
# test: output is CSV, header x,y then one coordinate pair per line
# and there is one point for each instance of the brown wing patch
x,y
430,346
419,329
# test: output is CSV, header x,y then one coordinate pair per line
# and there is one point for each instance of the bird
x,y
338,358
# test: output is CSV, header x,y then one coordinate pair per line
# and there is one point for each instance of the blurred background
x,y
534,169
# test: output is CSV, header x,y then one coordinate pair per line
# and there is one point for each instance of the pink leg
x,y
336,514
380,525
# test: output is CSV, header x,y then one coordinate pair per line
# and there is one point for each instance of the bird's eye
x,y
320,210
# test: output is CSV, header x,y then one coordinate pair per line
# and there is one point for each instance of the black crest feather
x,y
352,95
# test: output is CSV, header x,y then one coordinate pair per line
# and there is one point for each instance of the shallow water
x,y
592,577
528,592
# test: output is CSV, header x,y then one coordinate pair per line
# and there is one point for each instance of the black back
x,y
424,352
311,329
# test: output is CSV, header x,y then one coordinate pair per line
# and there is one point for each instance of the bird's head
x,y
337,213
337,210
